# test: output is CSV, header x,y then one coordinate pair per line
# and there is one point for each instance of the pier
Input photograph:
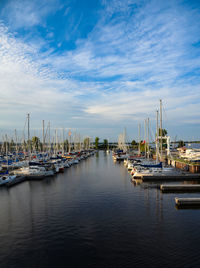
x,y
187,202
177,177
180,188
192,168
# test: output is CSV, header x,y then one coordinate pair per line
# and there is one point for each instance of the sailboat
x,y
121,153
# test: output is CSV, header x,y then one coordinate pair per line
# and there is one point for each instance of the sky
x,y
98,66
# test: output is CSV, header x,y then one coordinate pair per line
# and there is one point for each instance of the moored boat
x,y
4,179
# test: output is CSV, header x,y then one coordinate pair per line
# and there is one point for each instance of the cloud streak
x,y
137,53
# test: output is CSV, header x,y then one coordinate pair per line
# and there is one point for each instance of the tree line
x,y
36,145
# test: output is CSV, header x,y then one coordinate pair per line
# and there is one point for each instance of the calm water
x,y
93,216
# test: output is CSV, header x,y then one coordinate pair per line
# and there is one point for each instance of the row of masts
x,y
158,137
146,138
122,143
58,143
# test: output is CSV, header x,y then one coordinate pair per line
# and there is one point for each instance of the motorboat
x,y
4,179
165,171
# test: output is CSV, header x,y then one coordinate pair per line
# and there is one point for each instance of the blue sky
x,y
98,66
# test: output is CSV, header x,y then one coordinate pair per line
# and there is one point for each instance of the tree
x,y
12,145
23,145
86,143
36,143
164,132
133,143
164,140
181,143
5,146
97,142
66,145
105,144
29,145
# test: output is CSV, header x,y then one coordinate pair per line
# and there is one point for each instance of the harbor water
x,y
92,215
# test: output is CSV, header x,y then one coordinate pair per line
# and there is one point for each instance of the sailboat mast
x,y
55,141
43,141
29,142
79,142
161,152
148,138
145,135
16,147
63,141
157,135
69,141
6,147
28,127
49,140
139,139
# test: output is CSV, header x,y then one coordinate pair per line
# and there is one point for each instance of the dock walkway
x,y
177,177
180,188
180,202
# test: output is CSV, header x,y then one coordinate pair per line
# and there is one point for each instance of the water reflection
x,y
94,216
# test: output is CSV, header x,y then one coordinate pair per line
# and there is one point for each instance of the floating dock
x,y
177,177
180,188
187,202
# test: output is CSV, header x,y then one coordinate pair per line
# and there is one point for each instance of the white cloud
x,y
25,13
127,63
25,85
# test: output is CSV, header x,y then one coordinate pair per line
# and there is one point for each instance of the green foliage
x,y
12,145
66,145
96,142
35,143
24,145
5,145
105,144
164,132
181,143
134,143
86,143
142,147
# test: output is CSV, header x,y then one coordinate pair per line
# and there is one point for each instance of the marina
x,y
99,134
40,169
94,210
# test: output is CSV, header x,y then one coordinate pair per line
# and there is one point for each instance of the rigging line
x,y
3,144
24,129
151,132
46,132
9,138
166,117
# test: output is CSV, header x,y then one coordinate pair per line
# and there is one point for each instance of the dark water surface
x,y
93,216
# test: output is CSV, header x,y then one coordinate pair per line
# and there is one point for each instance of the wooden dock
x,y
180,188
177,177
188,202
